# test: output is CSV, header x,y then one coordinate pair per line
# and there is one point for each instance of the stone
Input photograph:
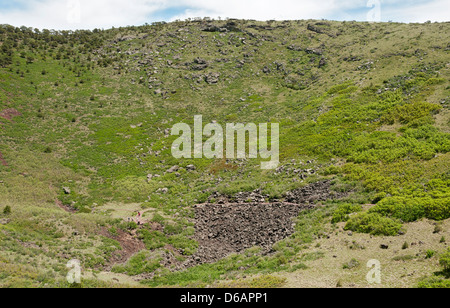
x,y
149,177
163,190
173,169
212,78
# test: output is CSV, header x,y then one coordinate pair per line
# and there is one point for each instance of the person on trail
x,y
139,218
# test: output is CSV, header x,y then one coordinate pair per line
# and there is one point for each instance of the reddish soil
x,y
64,207
128,241
9,114
2,160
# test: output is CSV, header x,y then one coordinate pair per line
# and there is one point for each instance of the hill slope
x,y
85,122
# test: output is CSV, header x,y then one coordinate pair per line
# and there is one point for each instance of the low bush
x,y
7,210
434,283
374,224
444,261
343,211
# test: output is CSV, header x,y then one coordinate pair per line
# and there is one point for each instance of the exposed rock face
x,y
173,169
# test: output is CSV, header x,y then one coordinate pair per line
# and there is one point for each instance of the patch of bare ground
x,y
9,114
128,241
2,160
66,208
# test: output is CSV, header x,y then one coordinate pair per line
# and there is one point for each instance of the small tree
x,y
444,261
7,210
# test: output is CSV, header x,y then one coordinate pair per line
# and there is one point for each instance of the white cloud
x,y
61,14
261,9
436,10
57,14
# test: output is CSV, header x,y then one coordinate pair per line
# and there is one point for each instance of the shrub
x,y
351,264
374,224
434,283
409,112
378,197
405,245
429,254
343,211
437,228
435,205
406,209
7,210
444,261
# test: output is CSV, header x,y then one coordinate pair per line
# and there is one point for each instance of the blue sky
x,y
90,14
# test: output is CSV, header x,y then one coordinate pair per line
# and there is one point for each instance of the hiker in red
x,y
139,218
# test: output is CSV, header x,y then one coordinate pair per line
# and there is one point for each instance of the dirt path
x,y
130,245
64,207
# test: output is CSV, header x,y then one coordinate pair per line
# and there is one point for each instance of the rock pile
x,y
313,193
232,224
222,229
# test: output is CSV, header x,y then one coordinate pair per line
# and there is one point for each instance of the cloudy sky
x,y
90,14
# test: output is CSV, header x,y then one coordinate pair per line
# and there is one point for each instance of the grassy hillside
x,y
85,119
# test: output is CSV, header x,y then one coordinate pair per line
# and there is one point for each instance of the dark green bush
x,y
444,261
7,210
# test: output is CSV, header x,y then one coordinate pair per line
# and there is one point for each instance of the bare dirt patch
x,y
9,114
130,245
2,160
400,268
66,208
